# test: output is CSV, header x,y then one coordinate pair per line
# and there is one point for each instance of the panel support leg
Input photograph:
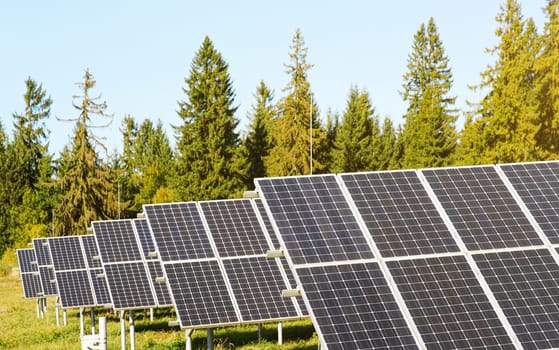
x,y
280,333
132,330
210,340
38,308
82,332
44,303
103,333
57,304
151,314
188,334
64,317
92,313
122,331
259,332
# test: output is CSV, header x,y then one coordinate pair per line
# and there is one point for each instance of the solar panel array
x,y
454,258
31,282
214,259
129,283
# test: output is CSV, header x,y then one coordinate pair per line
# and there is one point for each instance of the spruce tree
x,y
547,83
353,147
506,121
84,176
429,135
208,144
297,112
258,142
387,144
332,127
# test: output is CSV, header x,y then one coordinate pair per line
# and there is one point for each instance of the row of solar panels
x,y
211,265
449,258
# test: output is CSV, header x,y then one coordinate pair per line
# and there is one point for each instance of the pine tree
x,y
429,135
208,145
353,147
258,142
547,83
297,112
507,120
84,177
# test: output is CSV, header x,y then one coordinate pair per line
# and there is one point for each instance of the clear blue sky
x,y
140,51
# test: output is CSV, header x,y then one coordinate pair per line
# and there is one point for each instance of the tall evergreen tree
x,y
429,135
297,112
547,83
332,127
84,176
387,147
208,145
5,194
353,147
258,142
507,121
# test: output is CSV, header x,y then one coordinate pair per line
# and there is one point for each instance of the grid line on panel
x,y
481,208
100,287
74,288
399,214
537,184
42,252
144,236
315,221
161,290
257,283
354,308
200,294
116,241
46,274
448,304
32,287
234,227
178,231
526,286
267,223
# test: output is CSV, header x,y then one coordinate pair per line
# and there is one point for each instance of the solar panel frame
x,y
114,241
45,267
29,273
27,262
91,252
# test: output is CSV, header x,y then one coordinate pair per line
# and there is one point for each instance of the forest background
x,y
209,155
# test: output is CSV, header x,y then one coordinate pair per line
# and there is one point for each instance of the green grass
x,y
21,329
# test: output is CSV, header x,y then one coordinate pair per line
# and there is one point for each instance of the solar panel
x,y
180,232
399,213
100,287
91,251
315,219
481,208
256,283
526,285
448,304
538,186
354,308
29,272
128,281
267,223
144,235
161,289
70,269
44,263
204,299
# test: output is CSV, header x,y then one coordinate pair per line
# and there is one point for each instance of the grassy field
x,y
21,329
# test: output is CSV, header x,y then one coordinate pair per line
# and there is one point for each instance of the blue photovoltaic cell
x,y
178,231
399,213
448,304
74,289
42,251
66,253
129,286
267,223
100,288
91,251
314,219
26,260
538,186
48,283
526,285
481,208
31,285
161,289
234,227
354,307
116,240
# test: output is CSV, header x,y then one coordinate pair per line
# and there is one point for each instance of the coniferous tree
x,y
507,120
291,129
387,147
429,135
84,177
5,193
332,127
209,164
127,175
353,147
258,142
547,83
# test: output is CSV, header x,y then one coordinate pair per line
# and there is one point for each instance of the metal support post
x,y
259,332
38,308
82,332
102,333
64,317
132,330
151,314
57,303
188,339
210,339
280,333
122,331
92,313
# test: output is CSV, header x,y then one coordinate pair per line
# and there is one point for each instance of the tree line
x,y
517,119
